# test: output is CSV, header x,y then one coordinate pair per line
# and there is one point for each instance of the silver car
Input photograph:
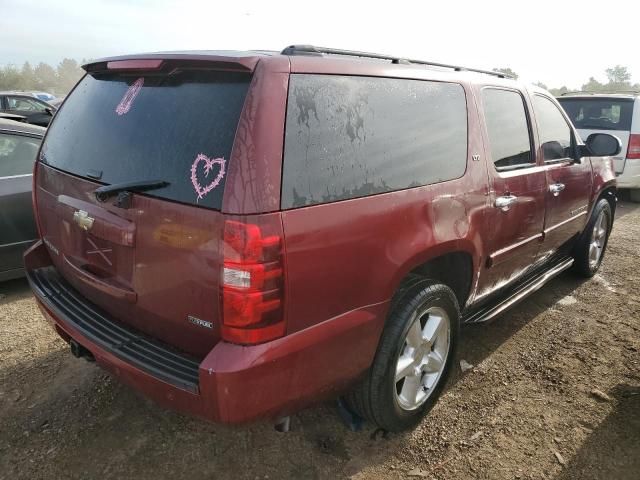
x,y
617,114
19,143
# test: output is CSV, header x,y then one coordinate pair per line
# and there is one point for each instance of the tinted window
x,y
554,131
25,104
349,137
17,154
599,113
508,129
177,128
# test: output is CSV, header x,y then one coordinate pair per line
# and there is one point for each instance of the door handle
x,y
504,203
556,188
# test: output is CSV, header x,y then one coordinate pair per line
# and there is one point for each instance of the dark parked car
x,y
19,145
35,110
242,234
11,116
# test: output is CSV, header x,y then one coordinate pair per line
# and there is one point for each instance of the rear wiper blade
x,y
103,193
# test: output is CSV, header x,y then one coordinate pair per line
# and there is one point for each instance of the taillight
x,y
633,151
252,284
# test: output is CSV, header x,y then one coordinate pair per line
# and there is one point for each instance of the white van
x,y
617,114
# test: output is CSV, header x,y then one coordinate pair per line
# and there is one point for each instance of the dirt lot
x,y
527,410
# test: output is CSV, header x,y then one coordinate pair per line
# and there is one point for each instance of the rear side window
x,y
349,137
599,113
508,128
555,133
17,154
178,128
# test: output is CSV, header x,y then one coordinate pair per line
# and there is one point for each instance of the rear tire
x,y
591,246
413,361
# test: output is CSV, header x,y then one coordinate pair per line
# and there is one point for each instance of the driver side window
x,y
555,132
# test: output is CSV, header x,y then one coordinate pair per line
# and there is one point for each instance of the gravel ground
x,y
554,393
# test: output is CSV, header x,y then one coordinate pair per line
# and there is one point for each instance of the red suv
x,y
239,235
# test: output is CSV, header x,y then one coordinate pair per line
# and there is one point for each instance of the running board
x,y
489,312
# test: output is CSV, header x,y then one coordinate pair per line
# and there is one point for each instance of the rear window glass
x,y
178,128
599,113
349,137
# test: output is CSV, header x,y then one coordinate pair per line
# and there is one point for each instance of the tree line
x,y
618,80
59,80
42,77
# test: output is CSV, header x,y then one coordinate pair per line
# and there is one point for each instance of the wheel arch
x,y
454,269
610,195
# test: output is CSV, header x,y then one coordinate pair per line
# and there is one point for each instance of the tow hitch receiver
x,y
79,351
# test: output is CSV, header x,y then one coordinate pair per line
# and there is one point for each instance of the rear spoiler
x,y
165,63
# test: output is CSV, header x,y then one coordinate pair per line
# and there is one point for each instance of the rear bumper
x,y
630,177
233,383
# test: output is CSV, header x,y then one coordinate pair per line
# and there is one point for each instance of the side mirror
x,y
602,145
49,110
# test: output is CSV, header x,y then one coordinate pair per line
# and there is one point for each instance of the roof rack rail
x,y
606,92
320,51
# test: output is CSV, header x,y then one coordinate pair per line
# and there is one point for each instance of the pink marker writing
x,y
208,164
125,104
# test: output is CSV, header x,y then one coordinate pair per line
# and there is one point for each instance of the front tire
x,y
413,361
591,246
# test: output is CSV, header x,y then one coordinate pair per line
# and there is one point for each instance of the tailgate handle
x,y
115,291
102,223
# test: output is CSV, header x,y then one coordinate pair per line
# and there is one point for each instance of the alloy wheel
x,y
423,358
598,240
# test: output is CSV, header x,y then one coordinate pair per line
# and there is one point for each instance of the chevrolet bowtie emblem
x,y
83,219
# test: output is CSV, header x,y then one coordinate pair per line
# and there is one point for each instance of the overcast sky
x,y
560,42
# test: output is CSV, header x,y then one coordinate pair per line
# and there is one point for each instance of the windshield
x,y
599,113
176,128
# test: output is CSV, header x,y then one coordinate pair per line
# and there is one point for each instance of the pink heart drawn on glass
x,y
208,164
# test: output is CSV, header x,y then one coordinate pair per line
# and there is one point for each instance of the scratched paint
x,y
208,164
127,100
99,251
449,216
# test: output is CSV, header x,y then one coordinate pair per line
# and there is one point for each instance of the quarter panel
x,y
349,254
255,167
345,255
